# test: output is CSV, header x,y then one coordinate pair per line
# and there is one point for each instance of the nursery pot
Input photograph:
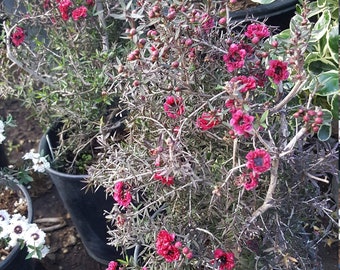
x,y
16,259
277,13
86,208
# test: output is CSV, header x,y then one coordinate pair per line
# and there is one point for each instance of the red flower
x,y
208,120
166,247
121,194
241,122
173,106
277,71
226,259
112,266
230,104
18,36
235,57
257,31
247,83
63,6
258,160
79,12
251,181
166,180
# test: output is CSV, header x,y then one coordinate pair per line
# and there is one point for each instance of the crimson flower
x,y
63,6
258,160
173,106
166,180
230,104
257,31
112,266
208,120
241,122
18,36
122,194
277,71
251,181
235,57
247,83
226,259
80,12
165,246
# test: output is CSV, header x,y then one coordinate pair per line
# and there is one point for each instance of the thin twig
x,y
269,200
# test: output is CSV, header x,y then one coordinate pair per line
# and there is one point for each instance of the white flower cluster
x,y
15,229
40,164
2,130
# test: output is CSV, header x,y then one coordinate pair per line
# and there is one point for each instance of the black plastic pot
x,y
86,208
277,13
17,257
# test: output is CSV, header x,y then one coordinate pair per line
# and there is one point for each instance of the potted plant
x,y
20,238
188,125
59,58
275,12
225,164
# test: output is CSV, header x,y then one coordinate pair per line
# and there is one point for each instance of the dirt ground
x,y
66,249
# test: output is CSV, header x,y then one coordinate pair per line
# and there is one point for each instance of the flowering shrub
x,y
57,56
213,172
15,229
219,165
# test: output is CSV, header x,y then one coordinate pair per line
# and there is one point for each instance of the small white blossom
x,y
34,236
40,164
17,230
2,130
4,216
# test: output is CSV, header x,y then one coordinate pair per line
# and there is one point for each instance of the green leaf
x,y
264,116
328,83
321,3
321,26
324,132
327,117
333,42
320,65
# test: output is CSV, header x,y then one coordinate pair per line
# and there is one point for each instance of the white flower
x,y
31,155
4,222
17,230
2,126
2,130
4,216
34,236
40,164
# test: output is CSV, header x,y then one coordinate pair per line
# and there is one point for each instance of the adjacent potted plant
x,y
20,238
275,12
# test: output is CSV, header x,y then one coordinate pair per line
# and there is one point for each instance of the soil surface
x,y
66,250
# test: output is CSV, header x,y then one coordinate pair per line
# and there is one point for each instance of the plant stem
x,y
269,200
296,89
